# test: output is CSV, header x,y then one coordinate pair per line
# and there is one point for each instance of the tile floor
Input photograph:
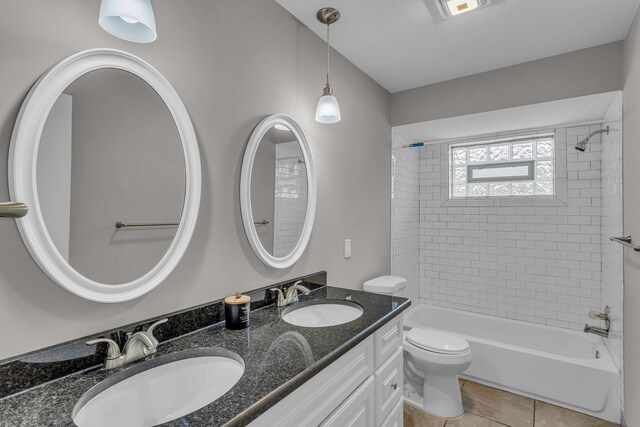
x,y
489,407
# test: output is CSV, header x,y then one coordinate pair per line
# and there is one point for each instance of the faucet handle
x,y
292,292
113,350
299,285
155,325
597,314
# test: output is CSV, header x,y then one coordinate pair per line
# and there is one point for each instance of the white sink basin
x,y
157,394
315,314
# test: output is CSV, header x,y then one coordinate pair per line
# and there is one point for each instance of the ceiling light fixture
x,y
328,110
130,20
458,7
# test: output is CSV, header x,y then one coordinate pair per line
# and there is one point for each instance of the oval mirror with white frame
x,y
278,191
105,156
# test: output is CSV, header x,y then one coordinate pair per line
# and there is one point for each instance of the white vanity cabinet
x,y
389,374
361,388
358,410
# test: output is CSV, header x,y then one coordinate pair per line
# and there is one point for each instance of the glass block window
x,y
523,166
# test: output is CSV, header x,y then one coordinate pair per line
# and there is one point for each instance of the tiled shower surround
x,y
532,259
405,216
612,276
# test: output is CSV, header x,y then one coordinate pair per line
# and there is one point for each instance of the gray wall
x,y
631,197
579,73
232,62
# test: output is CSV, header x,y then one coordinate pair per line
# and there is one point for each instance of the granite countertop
x,y
276,355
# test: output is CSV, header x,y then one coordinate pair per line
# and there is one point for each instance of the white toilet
x,y
432,359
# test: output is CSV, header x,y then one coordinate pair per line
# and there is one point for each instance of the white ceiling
x,y
403,44
583,109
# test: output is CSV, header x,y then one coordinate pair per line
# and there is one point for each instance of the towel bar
x,y
120,224
13,210
626,241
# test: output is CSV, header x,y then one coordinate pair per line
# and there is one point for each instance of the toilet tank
x,y
387,285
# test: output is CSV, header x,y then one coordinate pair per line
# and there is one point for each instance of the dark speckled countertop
x,y
274,364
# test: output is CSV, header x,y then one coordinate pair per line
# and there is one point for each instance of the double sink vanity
x,y
109,223
293,366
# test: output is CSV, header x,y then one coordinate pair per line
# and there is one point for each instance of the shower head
x,y
582,145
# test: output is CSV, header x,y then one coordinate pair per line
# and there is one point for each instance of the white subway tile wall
x,y
405,216
290,208
536,261
612,276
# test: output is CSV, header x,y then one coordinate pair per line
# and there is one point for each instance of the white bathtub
x,y
555,365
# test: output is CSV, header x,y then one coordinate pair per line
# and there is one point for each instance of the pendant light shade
x,y
130,20
328,109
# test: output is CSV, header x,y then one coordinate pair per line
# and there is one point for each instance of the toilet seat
x,y
437,342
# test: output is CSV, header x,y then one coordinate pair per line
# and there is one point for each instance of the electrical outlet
x,y
347,248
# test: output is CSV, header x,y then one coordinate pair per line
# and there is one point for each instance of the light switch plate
x,y
347,248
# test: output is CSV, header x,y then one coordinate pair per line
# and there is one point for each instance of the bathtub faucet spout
x,y
604,333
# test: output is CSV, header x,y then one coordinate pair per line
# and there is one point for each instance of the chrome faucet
x,y
605,315
138,346
603,332
292,294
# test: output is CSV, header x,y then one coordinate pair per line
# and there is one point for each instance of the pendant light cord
x,y
328,57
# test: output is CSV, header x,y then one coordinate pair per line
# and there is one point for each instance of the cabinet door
x,y
357,410
389,380
396,417
387,340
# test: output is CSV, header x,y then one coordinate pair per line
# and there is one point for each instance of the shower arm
x,y
596,132
581,146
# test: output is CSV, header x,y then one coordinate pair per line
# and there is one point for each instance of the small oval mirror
x,y
278,191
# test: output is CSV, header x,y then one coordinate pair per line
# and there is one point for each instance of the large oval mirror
x,y
278,191
105,153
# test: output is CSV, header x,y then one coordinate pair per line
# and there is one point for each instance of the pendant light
x,y
328,110
130,20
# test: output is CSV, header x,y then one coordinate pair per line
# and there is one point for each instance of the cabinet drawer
x,y
316,399
387,340
357,410
389,381
396,417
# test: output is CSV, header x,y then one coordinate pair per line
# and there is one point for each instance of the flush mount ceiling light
x,y
130,20
458,7
328,110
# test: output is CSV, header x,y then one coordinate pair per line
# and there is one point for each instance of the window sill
x,y
513,201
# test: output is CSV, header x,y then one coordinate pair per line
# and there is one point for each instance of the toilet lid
x,y
436,341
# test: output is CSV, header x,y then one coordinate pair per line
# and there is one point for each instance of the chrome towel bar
x,y
626,241
120,224
13,210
